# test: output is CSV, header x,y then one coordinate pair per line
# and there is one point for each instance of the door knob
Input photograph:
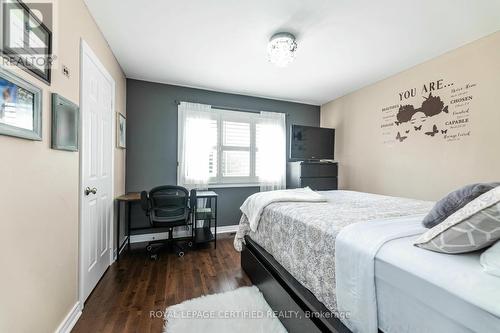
x,y
88,191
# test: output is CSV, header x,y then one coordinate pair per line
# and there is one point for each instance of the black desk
x,y
200,236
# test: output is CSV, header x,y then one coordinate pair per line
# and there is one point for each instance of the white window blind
x,y
236,148
236,134
212,135
245,148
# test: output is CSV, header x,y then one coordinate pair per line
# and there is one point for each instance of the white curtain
x,y
194,149
271,150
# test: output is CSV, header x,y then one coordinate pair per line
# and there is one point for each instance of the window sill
x,y
232,185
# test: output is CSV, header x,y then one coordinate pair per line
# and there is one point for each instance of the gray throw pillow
x,y
472,228
455,201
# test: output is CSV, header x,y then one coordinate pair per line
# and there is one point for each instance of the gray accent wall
x,y
152,138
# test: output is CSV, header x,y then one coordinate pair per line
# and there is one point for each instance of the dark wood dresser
x,y
319,176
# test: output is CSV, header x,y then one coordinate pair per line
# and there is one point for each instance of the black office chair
x,y
169,207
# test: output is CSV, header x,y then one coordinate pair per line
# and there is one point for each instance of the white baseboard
x,y
70,320
227,229
163,235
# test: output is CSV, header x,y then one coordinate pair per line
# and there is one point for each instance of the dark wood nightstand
x,y
319,176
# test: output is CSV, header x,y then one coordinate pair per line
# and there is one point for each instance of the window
x,y
234,149
243,148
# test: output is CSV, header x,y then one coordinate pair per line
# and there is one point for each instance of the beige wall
x,y
39,193
422,166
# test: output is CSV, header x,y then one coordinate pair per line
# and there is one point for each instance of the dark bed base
x,y
286,295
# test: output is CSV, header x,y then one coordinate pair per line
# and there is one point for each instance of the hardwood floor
x,y
131,289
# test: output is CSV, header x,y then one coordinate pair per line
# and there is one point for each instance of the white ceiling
x,y
343,45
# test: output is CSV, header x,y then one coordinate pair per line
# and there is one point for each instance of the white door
x,y
96,170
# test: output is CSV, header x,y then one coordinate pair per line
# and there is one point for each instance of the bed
x,y
291,257
300,237
424,291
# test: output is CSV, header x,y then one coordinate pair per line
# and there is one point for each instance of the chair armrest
x,y
193,200
145,204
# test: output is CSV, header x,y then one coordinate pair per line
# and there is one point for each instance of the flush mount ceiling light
x,y
281,49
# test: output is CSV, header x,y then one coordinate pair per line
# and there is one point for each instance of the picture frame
x,y
121,130
65,124
32,50
20,107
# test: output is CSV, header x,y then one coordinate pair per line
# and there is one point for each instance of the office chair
x,y
169,207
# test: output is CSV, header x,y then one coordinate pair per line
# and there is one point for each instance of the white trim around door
x,y
85,50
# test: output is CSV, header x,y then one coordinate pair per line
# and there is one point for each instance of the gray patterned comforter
x,y
301,235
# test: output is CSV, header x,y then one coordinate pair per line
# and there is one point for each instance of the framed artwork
x,y
26,40
65,124
121,130
20,107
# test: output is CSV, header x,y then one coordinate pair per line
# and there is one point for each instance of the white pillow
x,y
490,260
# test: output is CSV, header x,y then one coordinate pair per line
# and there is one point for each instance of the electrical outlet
x,y
65,71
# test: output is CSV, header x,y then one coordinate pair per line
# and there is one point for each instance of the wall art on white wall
x,y
65,124
437,110
121,131
20,107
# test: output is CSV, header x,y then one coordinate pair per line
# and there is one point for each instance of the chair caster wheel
x,y
154,257
149,248
180,254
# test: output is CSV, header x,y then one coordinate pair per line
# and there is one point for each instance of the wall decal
x,y
437,111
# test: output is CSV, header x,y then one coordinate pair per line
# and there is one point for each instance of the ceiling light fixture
x,y
281,49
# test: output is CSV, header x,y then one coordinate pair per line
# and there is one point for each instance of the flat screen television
x,y
311,143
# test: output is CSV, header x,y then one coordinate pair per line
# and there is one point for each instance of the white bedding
x,y
356,247
254,205
425,291
384,282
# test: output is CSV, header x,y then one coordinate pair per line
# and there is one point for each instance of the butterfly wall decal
x,y
401,138
418,128
434,131
444,131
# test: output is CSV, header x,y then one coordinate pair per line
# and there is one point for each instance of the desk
x,y
126,199
129,198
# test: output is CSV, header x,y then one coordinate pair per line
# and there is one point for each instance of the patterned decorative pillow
x,y
475,226
455,201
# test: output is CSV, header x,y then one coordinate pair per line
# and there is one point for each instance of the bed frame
x,y
299,309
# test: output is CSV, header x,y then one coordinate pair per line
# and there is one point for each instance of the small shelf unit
x,y
202,232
